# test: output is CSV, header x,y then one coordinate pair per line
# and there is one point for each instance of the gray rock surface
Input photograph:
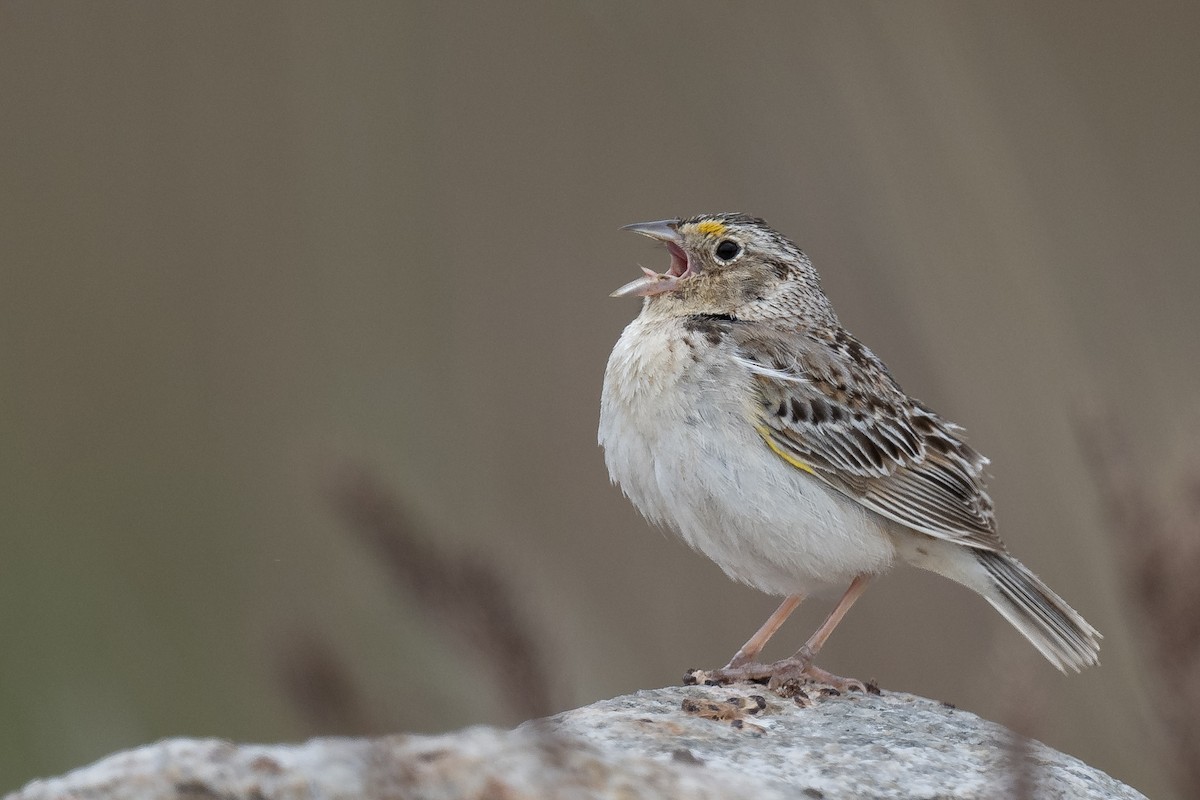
x,y
693,742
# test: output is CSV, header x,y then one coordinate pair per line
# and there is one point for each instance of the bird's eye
x,y
728,249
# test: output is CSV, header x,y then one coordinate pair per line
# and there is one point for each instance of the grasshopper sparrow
x,y
738,412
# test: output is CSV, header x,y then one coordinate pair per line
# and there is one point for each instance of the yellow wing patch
x,y
765,433
711,227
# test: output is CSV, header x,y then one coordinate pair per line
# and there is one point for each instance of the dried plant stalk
x,y
1160,557
464,595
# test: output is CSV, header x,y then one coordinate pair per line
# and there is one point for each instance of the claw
x,y
790,672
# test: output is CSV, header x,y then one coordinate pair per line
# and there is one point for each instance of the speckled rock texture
x,y
686,742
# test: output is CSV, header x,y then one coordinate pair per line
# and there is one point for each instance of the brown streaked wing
x,y
831,404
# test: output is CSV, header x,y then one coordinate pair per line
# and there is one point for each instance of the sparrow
x,y
739,413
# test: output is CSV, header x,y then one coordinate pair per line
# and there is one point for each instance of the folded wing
x,y
829,406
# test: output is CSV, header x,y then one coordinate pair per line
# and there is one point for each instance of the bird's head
x,y
719,262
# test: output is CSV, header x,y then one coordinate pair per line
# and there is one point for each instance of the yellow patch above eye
x,y
711,227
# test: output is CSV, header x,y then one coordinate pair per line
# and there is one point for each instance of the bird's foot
x,y
794,672
798,672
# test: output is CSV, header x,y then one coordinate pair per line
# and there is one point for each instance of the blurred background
x,y
247,247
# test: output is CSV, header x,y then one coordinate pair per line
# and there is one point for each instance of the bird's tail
x,y
1058,631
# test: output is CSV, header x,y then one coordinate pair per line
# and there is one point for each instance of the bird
x,y
739,413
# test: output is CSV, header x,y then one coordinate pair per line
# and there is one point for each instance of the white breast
x,y
676,424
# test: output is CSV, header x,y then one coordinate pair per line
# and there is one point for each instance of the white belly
x,y
688,456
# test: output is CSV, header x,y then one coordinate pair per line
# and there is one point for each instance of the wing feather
x,y
830,404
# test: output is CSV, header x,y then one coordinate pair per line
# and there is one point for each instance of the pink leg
x,y
817,640
750,650
797,668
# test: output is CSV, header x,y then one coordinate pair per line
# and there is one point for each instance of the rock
x,y
693,742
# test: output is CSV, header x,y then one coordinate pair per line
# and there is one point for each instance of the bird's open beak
x,y
667,232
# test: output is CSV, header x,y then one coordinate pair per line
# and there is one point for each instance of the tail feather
x,y
1058,631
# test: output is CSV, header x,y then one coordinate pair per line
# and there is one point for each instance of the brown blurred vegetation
x,y
1158,532
241,244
